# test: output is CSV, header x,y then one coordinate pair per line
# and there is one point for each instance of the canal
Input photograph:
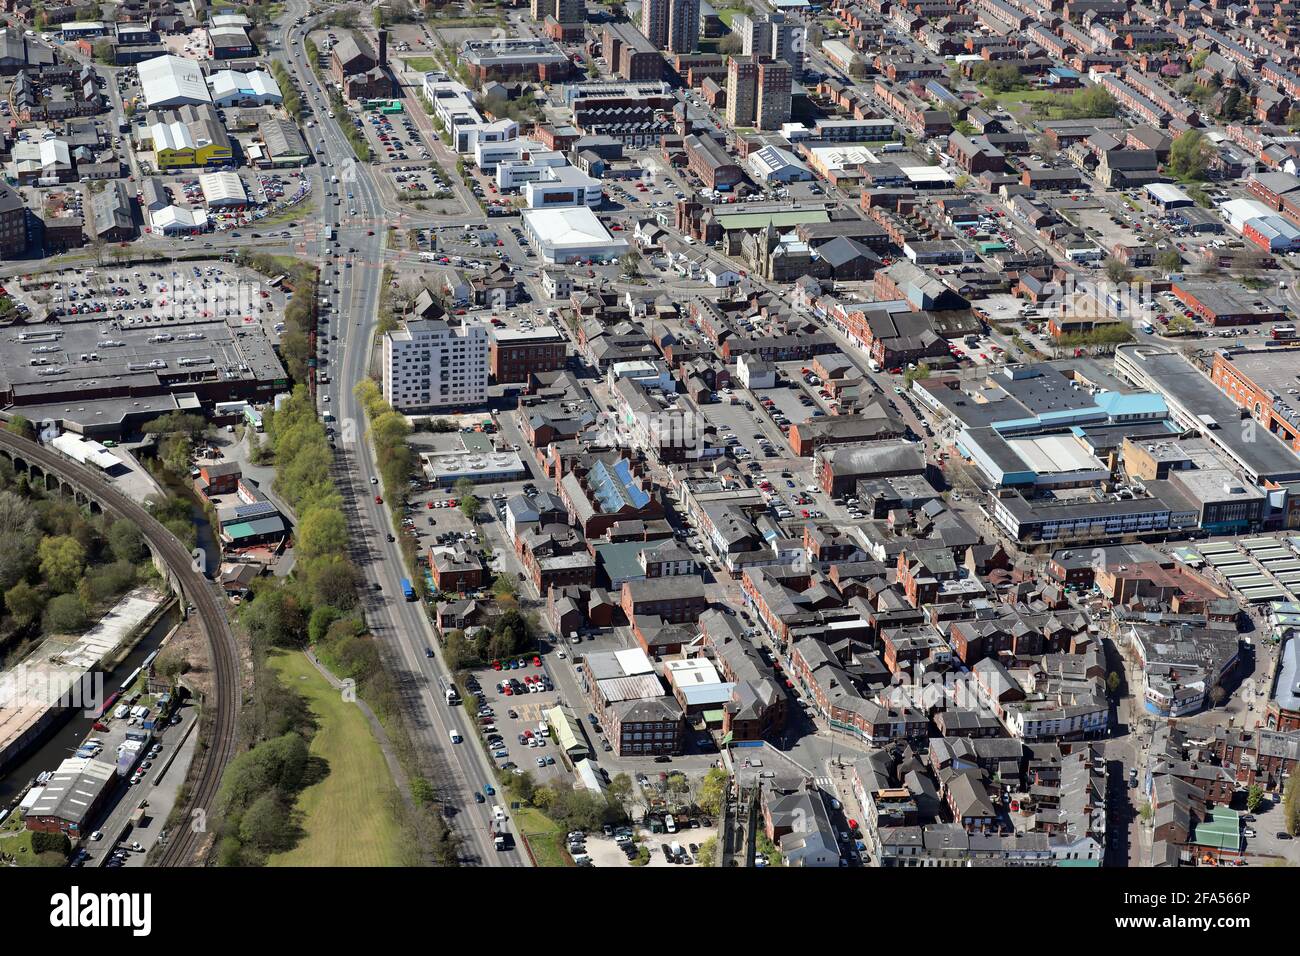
x,y
65,737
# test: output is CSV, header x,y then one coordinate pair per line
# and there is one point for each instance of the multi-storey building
x,y
775,36
742,91
758,92
430,364
683,26
654,21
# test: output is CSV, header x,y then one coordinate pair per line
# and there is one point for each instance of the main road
x,y
402,627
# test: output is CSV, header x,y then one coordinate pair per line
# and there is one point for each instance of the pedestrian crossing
x,y
823,782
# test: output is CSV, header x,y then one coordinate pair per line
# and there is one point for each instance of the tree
x,y
1169,261
125,540
62,561
319,622
713,791
1112,683
171,664
1234,105
266,824
730,44
19,535
20,426
1090,103
707,855
470,506
464,487
332,580
998,77
921,372
1254,797
1291,804
321,532
458,651
503,584
1189,155
631,263
274,616
1116,271
523,787
620,788
65,614
24,603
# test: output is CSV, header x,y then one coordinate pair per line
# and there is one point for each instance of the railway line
x,y
196,590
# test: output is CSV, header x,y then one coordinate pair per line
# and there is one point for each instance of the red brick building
x,y
678,599
513,354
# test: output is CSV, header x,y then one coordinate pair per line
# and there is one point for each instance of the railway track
x,y
195,590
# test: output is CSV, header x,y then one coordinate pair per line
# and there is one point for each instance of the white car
x,y
374,481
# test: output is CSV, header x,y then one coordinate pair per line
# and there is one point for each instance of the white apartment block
x,y
429,364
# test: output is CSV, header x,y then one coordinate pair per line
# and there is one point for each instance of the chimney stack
x,y
383,48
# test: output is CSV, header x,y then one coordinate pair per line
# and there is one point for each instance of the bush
x,y
65,614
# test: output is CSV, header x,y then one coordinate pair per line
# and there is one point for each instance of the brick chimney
x,y
383,48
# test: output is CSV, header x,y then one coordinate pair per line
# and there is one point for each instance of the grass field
x,y
347,818
543,835
1046,104
420,64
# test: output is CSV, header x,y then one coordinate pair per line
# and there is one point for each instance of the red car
x,y
496,665
379,499
537,662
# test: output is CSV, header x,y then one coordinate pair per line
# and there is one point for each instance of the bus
x,y
1282,333
407,591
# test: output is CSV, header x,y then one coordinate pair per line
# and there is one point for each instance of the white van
x,y
498,812
455,737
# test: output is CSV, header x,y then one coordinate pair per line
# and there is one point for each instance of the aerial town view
x,y
609,434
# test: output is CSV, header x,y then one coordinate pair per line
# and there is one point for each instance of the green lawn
x,y
420,64
347,818
729,14
544,837
16,844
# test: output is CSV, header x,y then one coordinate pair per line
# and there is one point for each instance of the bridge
x,y
198,596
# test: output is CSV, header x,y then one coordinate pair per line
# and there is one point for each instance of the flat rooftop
x,y
1273,370
1198,403
104,352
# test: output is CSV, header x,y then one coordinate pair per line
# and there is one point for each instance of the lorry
x,y
501,837
449,692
